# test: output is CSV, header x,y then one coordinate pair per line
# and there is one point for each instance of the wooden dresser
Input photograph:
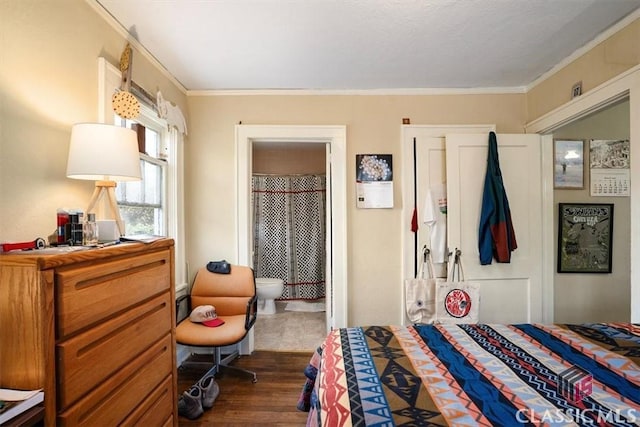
x,y
94,328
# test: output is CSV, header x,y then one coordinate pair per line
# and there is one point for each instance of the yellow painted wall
x,y
49,53
373,126
48,81
613,56
297,159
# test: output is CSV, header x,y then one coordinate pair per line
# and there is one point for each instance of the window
x,y
143,203
155,204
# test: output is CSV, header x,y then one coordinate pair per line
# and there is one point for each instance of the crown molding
x,y
360,92
586,48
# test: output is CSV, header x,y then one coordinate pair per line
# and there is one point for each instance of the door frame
x,y
336,141
624,85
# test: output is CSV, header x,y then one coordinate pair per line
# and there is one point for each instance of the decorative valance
x,y
171,113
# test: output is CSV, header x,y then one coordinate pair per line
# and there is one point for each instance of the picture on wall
x,y
568,168
374,181
609,163
584,237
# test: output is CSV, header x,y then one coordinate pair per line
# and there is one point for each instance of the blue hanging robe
x,y
496,237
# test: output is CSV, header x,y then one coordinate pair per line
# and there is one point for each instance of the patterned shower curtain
x,y
289,232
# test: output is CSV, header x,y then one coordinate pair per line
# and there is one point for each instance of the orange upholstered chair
x,y
234,297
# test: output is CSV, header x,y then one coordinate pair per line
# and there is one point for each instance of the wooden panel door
x,y
422,169
430,173
509,292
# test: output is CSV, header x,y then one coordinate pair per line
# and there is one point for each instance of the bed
x,y
476,374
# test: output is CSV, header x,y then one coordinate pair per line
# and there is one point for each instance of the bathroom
x,y
285,175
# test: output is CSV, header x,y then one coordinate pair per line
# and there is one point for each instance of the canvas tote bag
x,y
420,292
457,301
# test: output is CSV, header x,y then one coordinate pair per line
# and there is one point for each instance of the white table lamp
x,y
106,154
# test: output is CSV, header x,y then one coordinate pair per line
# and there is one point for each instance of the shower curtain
x,y
289,232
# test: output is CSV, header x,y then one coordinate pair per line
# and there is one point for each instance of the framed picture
x,y
584,237
374,181
568,167
609,167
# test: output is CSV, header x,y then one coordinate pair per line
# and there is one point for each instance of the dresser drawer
x,y
90,295
157,409
130,392
91,357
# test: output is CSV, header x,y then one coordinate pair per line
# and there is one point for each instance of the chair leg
x,y
223,365
211,372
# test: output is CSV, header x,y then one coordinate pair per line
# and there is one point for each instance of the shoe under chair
x,y
199,397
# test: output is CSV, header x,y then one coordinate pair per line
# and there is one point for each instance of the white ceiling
x,y
363,44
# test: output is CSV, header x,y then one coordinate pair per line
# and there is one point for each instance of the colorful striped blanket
x,y
477,375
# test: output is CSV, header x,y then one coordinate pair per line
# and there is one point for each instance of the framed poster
x,y
584,237
568,165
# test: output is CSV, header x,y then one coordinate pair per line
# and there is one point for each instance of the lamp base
x,y
109,188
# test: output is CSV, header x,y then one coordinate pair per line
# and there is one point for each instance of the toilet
x,y
268,289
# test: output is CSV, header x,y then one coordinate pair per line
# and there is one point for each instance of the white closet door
x,y
430,165
509,292
430,172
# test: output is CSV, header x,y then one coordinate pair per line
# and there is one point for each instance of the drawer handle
x,y
128,272
131,324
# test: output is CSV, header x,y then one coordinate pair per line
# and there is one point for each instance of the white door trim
x,y
619,87
335,137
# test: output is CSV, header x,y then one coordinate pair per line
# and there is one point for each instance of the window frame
x,y
109,78
149,119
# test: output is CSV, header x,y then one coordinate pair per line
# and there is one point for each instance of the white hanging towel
x,y
435,216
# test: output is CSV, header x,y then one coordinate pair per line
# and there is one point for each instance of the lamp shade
x,y
99,151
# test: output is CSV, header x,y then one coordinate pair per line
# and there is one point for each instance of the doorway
x,y
289,239
333,138
625,85
580,297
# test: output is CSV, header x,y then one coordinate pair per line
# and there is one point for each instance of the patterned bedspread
x,y
476,375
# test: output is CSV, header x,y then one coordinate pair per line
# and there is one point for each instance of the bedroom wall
x,y
292,159
49,81
374,272
373,126
614,55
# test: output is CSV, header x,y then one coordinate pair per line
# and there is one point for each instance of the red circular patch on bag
x,y
457,303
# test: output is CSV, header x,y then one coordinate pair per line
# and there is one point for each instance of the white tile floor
x,y
289,330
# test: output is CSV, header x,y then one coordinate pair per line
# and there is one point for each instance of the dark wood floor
x,y
270,401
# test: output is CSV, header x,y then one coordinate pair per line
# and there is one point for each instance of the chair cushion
x,y
196,334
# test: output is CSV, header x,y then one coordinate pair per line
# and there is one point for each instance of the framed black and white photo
x,y
568,167
584,237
